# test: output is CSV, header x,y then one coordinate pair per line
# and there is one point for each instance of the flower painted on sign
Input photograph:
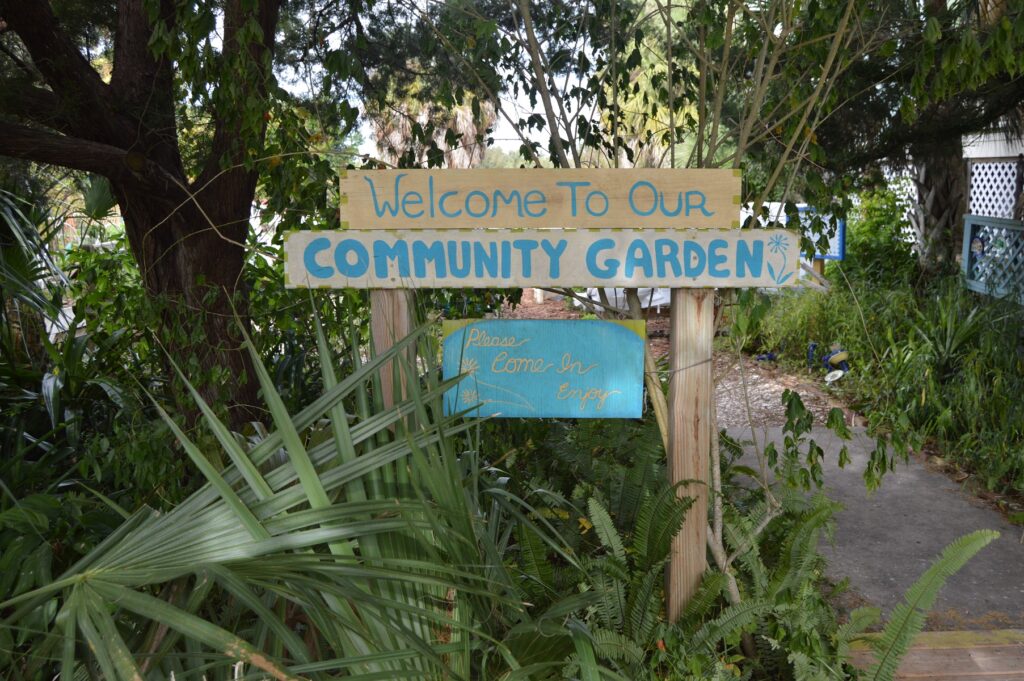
x,y
470,366
470,397
778,245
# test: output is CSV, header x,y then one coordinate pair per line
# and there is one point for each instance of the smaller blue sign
x,y
545,368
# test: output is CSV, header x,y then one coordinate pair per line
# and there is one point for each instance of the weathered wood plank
x,y
943,656
699,258
691,389
534,198
390,321
955,639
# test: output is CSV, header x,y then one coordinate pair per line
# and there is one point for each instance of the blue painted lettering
x,y
415,199
341,259
535,197
457,270
611,265
444,211
430,194
506,260
666,251
633,198
485,258
501,198
383,252
637,255
469,208
665,210
433,252
572,193
745,259
693,259
699,205
309,257
525,247
715,259
384,206
600,195
554,252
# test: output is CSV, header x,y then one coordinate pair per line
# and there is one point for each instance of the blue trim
x,y
973,224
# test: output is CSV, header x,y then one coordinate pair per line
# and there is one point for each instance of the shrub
x,y
930,359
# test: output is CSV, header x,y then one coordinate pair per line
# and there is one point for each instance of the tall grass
x,y
931,360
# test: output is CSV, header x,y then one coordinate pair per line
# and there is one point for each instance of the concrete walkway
x,y
884,541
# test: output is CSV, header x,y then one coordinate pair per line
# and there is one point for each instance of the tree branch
x,y
65,69
981,109
140,79
20,98
42,146
32,144
229,135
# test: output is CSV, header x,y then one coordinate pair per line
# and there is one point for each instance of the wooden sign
x,y
536,198
543,258
545,368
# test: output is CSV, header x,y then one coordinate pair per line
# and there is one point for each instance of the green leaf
x,y
191,626
585,653
908,618
605,529
256,530
99,198
238,456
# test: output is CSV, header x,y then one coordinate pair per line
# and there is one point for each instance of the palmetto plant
x,y
358,541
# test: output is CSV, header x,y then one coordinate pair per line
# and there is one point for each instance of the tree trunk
x,y
191,259
941,181
188,237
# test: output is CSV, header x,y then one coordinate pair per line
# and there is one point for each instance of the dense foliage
x,y
328,533
932,362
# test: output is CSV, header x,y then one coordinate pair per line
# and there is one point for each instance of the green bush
x,y
930,360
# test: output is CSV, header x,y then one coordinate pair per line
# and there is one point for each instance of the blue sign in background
x,y
545,368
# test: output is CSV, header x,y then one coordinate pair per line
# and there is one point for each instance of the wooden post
x,y
818,266
389,322
691,390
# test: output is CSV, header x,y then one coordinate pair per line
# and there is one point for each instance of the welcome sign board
x,y
705,258
588,198
545,368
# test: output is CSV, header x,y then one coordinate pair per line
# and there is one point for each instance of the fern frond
x,y
658,521
739,532
908,618
733,620
644,606
860,620
711,588
605,529
611,599
534,563
806,669
612,645
800,553
643,476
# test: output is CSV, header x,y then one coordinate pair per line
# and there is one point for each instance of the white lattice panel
x,y
991,192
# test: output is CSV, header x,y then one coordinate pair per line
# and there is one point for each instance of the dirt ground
x,y
760,405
